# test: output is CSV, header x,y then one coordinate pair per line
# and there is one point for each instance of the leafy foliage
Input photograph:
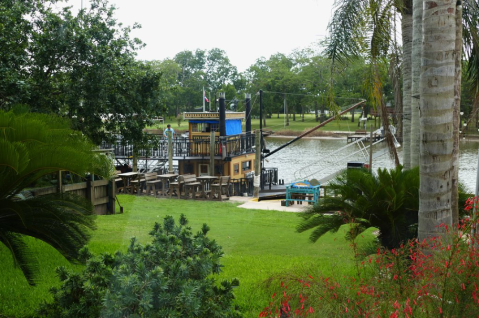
x,y
436,277
169,277
34,145
81,66
388,201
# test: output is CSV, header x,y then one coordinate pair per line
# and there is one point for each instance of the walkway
x,y
274,205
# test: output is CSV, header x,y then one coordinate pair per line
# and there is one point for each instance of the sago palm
x,y
32,146
387,201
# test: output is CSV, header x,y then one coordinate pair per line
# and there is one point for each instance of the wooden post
x,y
90,191
257,164
371,150
212,153
112,196
60,182
170,152
135,160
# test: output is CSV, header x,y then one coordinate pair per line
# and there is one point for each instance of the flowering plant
x,y
438,277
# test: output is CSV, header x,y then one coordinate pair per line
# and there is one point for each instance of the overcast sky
x,y
246,30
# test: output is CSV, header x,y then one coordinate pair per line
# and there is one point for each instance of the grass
x,y
257,245
278,124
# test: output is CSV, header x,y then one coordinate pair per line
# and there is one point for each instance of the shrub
x,y
169,277
387,200
434,278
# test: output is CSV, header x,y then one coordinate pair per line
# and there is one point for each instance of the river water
x,y
319,158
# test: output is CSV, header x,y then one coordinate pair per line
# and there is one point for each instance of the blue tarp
x,y
233,127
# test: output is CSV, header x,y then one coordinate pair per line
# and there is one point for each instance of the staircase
x,y
354,151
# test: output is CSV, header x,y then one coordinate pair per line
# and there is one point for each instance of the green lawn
x,y
257,244
278,124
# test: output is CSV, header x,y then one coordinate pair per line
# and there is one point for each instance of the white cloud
x,y
246,29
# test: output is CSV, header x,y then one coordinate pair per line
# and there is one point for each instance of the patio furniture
x,y
166,179
178,186
302,191
220,188
191,186
205,185
127,178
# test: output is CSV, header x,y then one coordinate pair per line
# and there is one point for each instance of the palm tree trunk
x,y
406,26
457,109
416,74
436,122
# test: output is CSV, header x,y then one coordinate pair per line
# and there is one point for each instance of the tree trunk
x,y
416,73
456,118
436,122
406,26
302,113
286,111
316,110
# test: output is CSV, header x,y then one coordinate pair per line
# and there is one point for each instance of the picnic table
x,y
127,177
166,179
206,182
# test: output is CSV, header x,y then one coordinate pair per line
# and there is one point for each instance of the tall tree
x,y
437,116
363,28
407,39
82,66
415,56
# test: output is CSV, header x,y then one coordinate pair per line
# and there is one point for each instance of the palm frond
x,y
346,39
34,145
321,224
23,257
388,201
61,220
470,17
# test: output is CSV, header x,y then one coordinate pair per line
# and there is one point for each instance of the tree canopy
x,y
80,66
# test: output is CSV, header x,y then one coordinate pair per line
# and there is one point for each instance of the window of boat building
x,y
204,127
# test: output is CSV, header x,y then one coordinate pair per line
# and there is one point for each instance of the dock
x,y
364,136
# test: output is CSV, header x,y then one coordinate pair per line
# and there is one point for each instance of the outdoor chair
x,y
176,187
220,188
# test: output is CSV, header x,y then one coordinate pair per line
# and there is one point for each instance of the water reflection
x,y
315,156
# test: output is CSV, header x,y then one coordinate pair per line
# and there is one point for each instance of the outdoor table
x,y
205,184
127,177
166,178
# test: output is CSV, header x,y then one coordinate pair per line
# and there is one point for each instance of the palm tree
x,y
387,201
35,145
437,117
365,29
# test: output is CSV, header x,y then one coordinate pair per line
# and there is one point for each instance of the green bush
x,y
169,277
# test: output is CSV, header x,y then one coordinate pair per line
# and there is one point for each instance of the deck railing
x,y
227,146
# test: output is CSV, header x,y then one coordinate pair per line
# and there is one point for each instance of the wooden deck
x,y
354,137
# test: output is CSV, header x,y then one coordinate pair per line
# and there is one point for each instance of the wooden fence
x,y
101,193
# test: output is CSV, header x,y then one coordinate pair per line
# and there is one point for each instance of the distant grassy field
x,y
257,244
278,124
